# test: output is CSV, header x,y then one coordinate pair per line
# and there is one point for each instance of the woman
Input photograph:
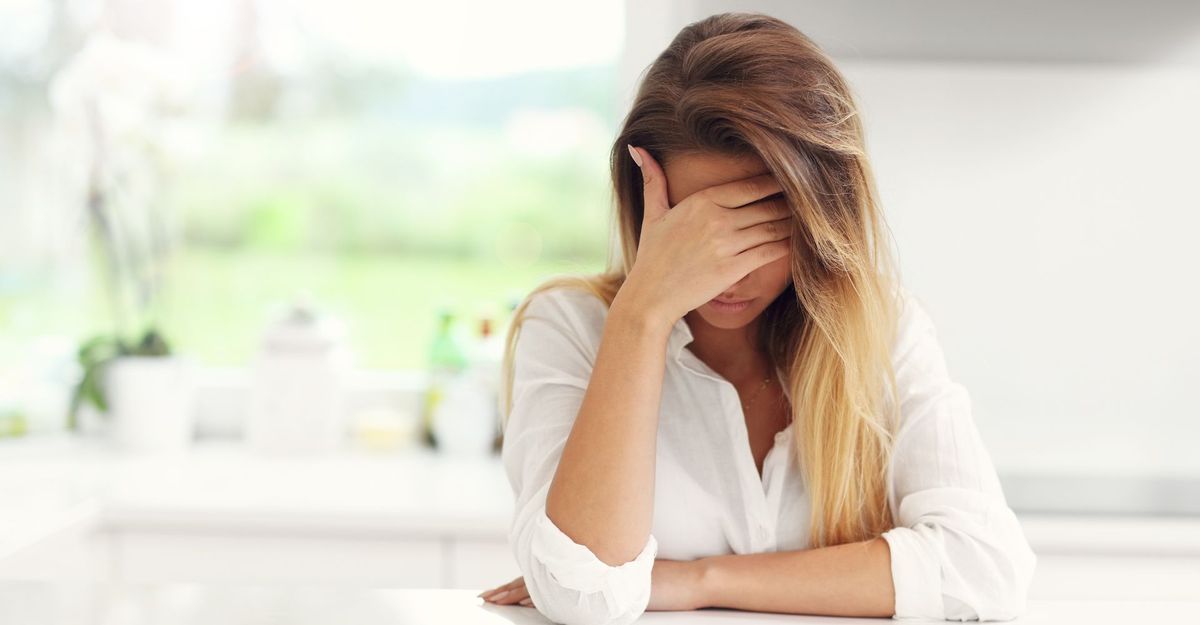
x,y
747,410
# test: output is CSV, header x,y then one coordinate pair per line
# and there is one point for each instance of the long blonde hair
x,y
742,83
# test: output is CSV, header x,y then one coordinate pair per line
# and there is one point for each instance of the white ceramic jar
x,y
296,404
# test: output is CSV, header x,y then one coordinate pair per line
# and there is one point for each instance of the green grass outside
x,y
390,304
220,301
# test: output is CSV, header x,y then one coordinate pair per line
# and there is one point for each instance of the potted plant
x,y
113,102
141,385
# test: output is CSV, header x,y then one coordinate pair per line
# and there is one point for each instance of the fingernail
x,y
637,158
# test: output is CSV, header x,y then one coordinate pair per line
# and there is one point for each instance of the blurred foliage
x,y
387,197
220,300
391,303
337,186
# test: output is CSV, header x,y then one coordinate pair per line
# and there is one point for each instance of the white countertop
x,y
54,487
48,481
190,604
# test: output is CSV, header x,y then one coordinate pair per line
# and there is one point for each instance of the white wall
x,y
1046,213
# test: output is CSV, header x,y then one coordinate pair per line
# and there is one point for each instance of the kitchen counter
x,y
218,511
267,605
75,508
221,484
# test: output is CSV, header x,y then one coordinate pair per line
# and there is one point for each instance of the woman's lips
x,y
730,305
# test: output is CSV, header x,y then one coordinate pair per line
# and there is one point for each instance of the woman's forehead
x,y
688,173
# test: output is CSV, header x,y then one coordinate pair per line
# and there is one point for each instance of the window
x,y
350,150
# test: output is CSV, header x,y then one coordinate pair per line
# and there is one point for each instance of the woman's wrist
x,y
631,308
707,592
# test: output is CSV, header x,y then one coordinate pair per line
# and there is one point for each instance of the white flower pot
x,y
150,402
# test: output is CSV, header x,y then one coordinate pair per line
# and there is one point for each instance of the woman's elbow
x,y
569,606
1023,563
570,585
1001,596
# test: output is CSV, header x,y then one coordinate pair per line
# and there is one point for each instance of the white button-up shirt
x,y
957,551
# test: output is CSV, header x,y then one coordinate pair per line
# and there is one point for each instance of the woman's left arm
x,y
853,579
956,551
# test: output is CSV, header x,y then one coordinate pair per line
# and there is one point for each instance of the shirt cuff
x,y
916,575
574,566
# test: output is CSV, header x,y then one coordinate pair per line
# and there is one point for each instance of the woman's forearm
x,y
853,579
602,494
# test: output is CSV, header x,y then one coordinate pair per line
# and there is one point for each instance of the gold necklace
x,y
746,406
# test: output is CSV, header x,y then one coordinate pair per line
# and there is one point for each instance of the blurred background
x,y
256,259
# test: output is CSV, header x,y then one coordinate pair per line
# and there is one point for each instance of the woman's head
x,y
737,94
753,89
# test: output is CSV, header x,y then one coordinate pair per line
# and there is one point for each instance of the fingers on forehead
x,y
775,205
746,190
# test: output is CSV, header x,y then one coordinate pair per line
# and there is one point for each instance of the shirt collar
x,y
681,336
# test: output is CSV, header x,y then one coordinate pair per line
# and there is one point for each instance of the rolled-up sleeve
x,y
552,362
957,550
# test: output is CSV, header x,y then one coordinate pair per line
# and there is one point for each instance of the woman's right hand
x,y
692,252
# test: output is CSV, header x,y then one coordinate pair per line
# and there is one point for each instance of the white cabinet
x,y
218,514
1124,558
476,563
139,556
1130,578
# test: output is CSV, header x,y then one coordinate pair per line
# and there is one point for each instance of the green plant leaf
x,y
93,355
153,344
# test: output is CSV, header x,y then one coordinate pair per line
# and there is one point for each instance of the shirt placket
x,y
774,476
760,521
